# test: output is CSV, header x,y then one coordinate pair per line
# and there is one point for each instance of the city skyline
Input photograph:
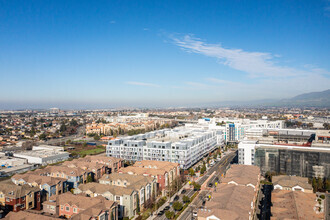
x,y
134,54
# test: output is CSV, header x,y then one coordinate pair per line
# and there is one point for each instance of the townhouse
x,y
74,176
293,183
164,172
81,207
15,198
145,186
113,164
236,197
49,186
125,197
95,170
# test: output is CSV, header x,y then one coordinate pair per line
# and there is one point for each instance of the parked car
x,y
160,213
167,208
210,184
176,198
183,191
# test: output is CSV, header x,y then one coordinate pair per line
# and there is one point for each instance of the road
x,y
219,168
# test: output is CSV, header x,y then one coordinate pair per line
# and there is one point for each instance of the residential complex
x,y
182,145
236,197
291,160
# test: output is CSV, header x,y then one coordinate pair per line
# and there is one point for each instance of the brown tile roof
x,y
291,181
236,199
165,165
134,181
40,180
24,215
142,171
242,174
11,190
294,205
63,169
102,188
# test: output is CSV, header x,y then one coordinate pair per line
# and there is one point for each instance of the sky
x,y
95,54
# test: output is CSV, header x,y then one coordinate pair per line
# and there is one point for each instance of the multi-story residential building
x,y
81,207
49,186
16,198
145,186
293,183
236,197
125,197
183,145
291,160
95,170
165,172
112,164
74,176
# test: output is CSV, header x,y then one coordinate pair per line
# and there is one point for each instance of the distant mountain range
x,y
312,99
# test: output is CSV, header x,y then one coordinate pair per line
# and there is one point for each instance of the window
x,y
75,210
23,205
67,208
61,207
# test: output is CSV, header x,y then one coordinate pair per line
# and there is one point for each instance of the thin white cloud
x,y
225,82
112,22
146,29
256,64
142,84
197,85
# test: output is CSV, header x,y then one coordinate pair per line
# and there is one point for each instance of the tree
x,y
203,169
43,136
196,186
314,185
191,172
177,206
326,126
73,123
169,214
63,127
27,145
96,137
185,199
89,178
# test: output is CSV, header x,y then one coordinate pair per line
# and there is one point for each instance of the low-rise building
x,y
74,176
289,204
293,183
145,186
49,186
81,207
16,198
43,156
125,197
236,196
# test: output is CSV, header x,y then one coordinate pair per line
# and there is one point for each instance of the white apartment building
x,y
182,145
246,150
235,129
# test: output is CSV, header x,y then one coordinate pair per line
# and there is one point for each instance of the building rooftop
x,y
230,202
291,181
294,205
40,153
243,175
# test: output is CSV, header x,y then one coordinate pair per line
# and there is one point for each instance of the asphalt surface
x,y
219,167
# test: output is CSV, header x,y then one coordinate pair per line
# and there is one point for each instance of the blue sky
x,y
160,53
